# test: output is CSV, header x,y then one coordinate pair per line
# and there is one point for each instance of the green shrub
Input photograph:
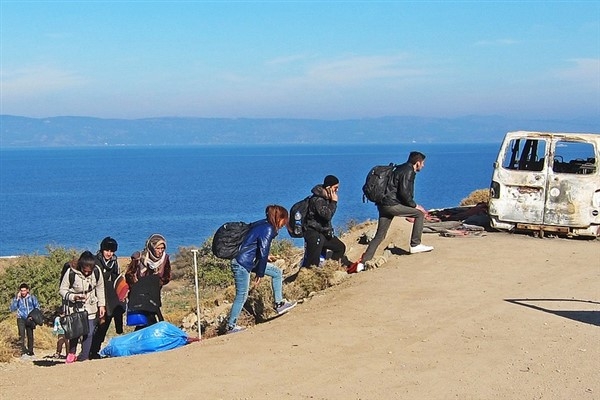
x,y
212,271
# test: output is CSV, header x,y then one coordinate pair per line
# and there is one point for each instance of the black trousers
x,y
315,243
25,330
101,329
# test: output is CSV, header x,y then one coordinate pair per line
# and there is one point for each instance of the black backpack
x,y
297,226
228,239
375,187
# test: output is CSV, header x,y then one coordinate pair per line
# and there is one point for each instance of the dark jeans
x,y
314,245
101,329
25,330
386,214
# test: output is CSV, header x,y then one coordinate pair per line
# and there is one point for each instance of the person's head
x,y
277,216
108,246
156,245
86,263
417,159
24,289
331,181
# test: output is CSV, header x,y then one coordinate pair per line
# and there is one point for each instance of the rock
x,y
366,237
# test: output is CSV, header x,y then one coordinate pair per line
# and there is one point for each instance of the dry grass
x,y
476,197
44,340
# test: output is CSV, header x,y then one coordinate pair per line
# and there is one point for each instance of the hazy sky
x,y
300,59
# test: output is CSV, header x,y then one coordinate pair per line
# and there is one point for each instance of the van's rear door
x,y
522,178
572,181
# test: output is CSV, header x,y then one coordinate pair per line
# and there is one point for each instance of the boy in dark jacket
x,y
319,236
106,261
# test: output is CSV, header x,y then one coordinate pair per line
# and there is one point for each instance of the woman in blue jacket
x,y
254,257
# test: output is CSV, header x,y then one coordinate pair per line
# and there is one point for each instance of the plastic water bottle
x,y
298,223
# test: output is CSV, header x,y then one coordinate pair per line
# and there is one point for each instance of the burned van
x,y
547,183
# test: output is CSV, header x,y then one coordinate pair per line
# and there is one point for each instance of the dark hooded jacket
x,y
320,211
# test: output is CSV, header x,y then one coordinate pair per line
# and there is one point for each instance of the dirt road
x,y
495,317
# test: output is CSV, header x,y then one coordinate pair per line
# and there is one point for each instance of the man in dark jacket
x,y
399,202
319,236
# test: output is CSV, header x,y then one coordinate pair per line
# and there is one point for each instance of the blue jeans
x,y
241,276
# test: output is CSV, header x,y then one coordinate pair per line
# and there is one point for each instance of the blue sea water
x,y
73,197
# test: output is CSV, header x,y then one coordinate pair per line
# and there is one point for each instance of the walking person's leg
x,y
98,337
281,305
313,246
383,224
417,228
71,350
60,343
29,333
241,277
276,281
338,250
86,343
21,330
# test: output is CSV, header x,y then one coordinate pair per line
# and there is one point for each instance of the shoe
x,y
56,356
235,329
285,306
71,358
355,267
420,248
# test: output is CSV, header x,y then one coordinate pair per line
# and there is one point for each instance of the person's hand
x,y
257,280
422,209
332,192
101,312
80,297
271,258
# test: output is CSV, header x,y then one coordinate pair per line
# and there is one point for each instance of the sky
x,y
300,59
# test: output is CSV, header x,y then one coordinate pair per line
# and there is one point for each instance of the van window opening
x,y
574,158
525,155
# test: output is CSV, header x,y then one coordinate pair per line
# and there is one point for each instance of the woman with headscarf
x,y
146,274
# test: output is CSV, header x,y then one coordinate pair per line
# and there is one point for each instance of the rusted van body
x,y
547,183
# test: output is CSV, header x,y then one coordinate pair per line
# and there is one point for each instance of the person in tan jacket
x,y
83,288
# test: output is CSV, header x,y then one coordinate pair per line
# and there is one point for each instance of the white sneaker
x,y
360,267
421,248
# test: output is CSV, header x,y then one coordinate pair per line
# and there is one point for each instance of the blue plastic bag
x,y
157,337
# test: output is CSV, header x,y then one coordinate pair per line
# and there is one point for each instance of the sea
x,y
74,197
